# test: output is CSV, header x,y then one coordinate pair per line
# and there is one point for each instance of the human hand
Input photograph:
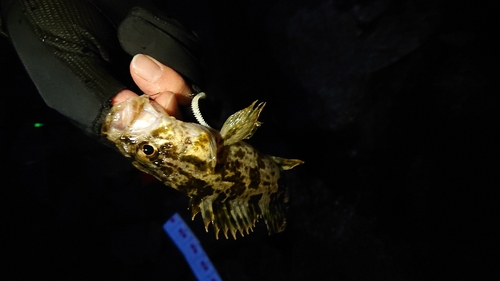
x,y
163,84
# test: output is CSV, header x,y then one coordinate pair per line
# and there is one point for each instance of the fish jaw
x,y
134,116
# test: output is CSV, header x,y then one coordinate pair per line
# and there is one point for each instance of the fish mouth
x,y
135,116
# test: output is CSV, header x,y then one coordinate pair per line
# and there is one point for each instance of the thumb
x,y
153,77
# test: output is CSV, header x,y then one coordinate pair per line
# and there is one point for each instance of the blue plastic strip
x,y
191,248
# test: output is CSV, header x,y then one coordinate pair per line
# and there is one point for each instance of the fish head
x,y
159,144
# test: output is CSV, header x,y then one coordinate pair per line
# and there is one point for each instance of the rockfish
x,y
230,183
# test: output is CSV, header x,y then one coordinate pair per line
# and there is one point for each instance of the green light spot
x,y
38,125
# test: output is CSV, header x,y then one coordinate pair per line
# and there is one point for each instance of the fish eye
x,y
148,150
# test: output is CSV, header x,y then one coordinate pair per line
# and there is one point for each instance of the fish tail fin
x,y
287,164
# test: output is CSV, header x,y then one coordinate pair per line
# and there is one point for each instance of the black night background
x,y
393,106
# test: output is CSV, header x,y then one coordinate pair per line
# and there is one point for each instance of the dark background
x,y
391,104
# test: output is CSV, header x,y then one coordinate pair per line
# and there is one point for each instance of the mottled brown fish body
x,y
246,188
230,183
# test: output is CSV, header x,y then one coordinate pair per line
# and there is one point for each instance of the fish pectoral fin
x,y
287,164
242,125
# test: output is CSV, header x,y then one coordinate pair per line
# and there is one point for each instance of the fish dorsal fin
x,y
242,125
287,164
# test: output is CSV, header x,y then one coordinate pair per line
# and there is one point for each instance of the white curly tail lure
x,y
196,109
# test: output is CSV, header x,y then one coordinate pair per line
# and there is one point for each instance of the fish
x,y
229,182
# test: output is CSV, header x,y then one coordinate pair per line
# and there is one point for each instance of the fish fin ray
x,y
242,124
240,215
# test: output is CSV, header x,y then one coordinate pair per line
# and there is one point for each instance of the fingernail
x,y
146,67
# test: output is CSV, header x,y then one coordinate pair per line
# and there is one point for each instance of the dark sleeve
x,y
72,53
